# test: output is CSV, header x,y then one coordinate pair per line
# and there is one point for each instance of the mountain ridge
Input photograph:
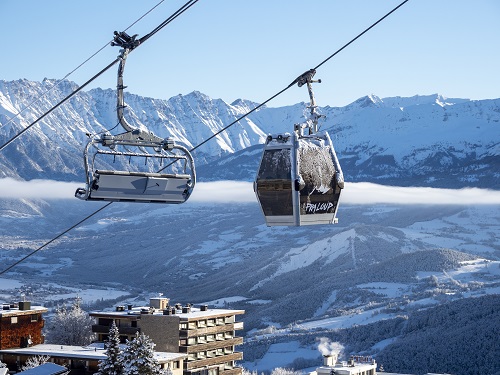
x,y
424,140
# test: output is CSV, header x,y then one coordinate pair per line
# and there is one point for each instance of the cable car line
x,y
360,34
75,69
56,106
54,239
211,137
176,14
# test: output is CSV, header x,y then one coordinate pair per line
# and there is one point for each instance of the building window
x,y
34,317
13,320
183,326
133,323
105,322
176,365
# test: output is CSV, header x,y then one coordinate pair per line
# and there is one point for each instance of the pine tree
x,y
70,327
138,357
112,365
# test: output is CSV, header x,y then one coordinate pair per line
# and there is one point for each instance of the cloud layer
x,y
238,191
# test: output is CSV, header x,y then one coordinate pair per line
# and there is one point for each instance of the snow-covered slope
x,y
380,262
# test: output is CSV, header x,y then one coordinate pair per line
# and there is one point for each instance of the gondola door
x,y
274,183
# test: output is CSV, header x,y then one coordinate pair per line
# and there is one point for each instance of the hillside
x,y
369,282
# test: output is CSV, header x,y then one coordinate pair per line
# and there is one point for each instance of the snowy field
x,y
14,290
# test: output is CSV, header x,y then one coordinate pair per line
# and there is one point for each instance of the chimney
x,y
159,303
329,360
203,307
24,305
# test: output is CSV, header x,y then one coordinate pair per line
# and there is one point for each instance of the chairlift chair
x,y
134,185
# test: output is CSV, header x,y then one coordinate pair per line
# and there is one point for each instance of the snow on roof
x,y
46,369
194,313
91,352
13,311
345,369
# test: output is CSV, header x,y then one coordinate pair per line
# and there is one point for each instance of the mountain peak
x,y
371,100
441,100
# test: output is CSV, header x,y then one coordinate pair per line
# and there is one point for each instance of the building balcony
x,y
104,329
237,356
195,348
185,333
233,371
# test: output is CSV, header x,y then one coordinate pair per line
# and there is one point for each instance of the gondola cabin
x,y
299,180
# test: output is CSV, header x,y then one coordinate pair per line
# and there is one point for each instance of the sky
x,y
254,49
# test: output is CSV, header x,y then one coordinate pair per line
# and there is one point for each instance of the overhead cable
x,y
176,14
217,133
75,69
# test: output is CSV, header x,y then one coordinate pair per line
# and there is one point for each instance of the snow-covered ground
x,y
282,355
14,290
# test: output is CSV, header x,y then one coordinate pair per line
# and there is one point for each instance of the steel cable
x,y
214,135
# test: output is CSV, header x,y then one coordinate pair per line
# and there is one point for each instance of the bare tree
x,y
70,326
35,361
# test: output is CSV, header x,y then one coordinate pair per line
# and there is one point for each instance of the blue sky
x,y
232,49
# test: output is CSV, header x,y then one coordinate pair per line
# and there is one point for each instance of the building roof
x,y
194,313
15,311
46,369
90,352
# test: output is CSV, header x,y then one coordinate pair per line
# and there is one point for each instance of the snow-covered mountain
x,y
367,275
422,140
418,141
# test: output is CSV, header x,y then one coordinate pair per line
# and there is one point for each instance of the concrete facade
x,y
206,336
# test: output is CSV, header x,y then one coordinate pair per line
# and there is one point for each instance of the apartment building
x,y
206,336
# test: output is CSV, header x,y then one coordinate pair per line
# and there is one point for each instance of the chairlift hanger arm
x,y
306,78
